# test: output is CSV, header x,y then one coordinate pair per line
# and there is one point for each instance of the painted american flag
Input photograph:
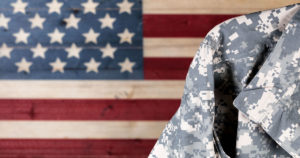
x,y
71,40
97,78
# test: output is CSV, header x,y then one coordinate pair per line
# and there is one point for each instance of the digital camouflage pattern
x,y
242,92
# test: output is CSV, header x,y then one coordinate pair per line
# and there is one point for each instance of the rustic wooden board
x,y
211,6
84,109
166,68
70,148
180,25
91,89
171,47
81,129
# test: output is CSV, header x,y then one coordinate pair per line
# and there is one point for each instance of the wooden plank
x,y
81,129
70,148
91,89
211,7
81,156
84,109
171,47
166,68
180,25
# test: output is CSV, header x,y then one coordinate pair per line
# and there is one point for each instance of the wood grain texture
x,y
70,148
171,47
91,89
11,129
84,109
166,68
211,6
180,25
24,155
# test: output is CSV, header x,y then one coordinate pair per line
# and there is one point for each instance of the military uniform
x,y
242,92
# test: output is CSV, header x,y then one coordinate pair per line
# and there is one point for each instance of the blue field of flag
x,y
71,39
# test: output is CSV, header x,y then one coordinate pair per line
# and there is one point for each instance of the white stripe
x,y
90,89
82,129
210,7
171,47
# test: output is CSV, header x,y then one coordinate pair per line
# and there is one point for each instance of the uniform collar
x,y
271,99
287,45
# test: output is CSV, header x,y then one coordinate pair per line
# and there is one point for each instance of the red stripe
x,y
75,147
166,68
143,109
160,25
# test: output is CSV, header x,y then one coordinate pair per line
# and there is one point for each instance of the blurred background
x,y
99,78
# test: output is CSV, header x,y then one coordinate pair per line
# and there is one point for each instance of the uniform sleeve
x,y
189,133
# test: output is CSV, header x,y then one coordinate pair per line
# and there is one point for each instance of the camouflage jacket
x,y
242,91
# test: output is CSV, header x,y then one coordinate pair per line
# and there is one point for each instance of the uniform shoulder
x,y
264,21
217,33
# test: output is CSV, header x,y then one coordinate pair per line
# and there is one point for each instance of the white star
x,y
126,65
108,51
21,36
91,36
23,65
19,6
90,6
92,65
72,21
126,36
5,51
73,51
125,6
107,21
37,21
4,21
54,6
56,36
58,65
39,51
